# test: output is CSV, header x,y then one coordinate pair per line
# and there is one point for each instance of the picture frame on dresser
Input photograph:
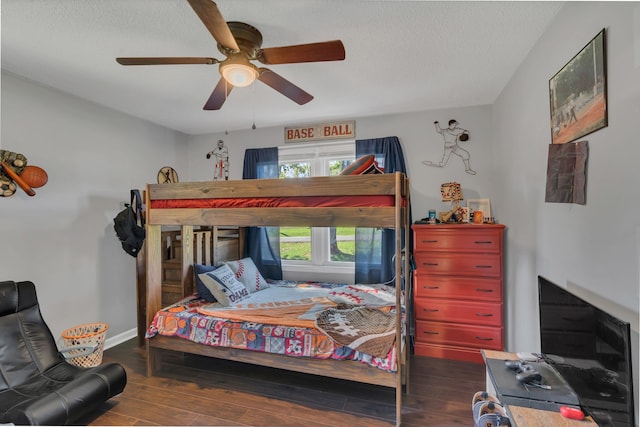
x,y
482,205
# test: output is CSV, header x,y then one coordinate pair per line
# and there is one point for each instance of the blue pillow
x,y
203,291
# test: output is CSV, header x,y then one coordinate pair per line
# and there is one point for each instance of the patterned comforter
x,y
187,319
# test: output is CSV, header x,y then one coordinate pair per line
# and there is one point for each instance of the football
x,y
34,176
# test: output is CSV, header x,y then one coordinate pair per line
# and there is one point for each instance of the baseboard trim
x,y
120,338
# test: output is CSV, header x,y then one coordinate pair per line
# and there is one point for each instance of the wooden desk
x,y
530,417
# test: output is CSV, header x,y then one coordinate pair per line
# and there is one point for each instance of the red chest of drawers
x,y
458,290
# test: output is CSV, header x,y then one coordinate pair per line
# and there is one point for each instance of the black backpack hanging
x,y
129,225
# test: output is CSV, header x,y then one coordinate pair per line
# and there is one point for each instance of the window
x,y
311,248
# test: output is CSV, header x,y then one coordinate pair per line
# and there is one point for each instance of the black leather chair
x,y
37,385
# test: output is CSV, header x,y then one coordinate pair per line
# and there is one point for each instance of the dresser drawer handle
x,y
431,287
431,333
484,266
483,290
430,264
429,241
484,339
484,314
430,310
483,242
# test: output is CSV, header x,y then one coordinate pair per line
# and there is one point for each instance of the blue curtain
x,y
263,243
375,247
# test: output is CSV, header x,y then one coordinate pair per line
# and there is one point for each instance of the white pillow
x,y
247,272
224,286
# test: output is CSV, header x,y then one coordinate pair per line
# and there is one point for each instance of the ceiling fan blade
x,y
284,86
168,61
211,17
311,52
218,96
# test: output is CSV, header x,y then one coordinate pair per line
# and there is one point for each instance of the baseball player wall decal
x,y
452,135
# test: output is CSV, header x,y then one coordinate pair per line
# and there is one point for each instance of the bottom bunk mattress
x,y
304,319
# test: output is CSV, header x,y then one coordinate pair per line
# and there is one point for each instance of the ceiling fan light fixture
x,y
238,71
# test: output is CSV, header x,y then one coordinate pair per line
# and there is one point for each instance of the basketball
x,y
34,176
464,137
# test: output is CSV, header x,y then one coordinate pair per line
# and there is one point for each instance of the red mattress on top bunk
x,y
274,202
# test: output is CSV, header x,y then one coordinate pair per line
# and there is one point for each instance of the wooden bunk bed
x,y
380,201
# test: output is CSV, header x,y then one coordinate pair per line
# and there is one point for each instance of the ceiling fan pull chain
x,y
253,103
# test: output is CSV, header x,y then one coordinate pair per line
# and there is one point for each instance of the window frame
x,y
318,155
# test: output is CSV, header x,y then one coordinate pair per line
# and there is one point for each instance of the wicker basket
x,y
88,335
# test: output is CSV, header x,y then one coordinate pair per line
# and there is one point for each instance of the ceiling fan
x,y
241,43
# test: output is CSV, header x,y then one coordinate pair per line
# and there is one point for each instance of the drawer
x,y
471,288
460,239
459,335
459,264
473,313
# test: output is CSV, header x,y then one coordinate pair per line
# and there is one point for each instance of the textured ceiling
x,y
401,56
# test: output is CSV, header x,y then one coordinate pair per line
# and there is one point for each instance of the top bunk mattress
x,y
274,202
343,200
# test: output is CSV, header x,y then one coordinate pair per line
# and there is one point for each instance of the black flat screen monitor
x,y
591,349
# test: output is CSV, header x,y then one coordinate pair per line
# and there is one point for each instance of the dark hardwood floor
x,y
194,390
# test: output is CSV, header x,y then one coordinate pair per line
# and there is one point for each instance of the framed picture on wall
x,y
578,93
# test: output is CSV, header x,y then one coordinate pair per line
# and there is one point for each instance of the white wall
x,y
593,249
62,238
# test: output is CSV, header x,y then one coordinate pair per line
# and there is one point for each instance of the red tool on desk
x,y
573,413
